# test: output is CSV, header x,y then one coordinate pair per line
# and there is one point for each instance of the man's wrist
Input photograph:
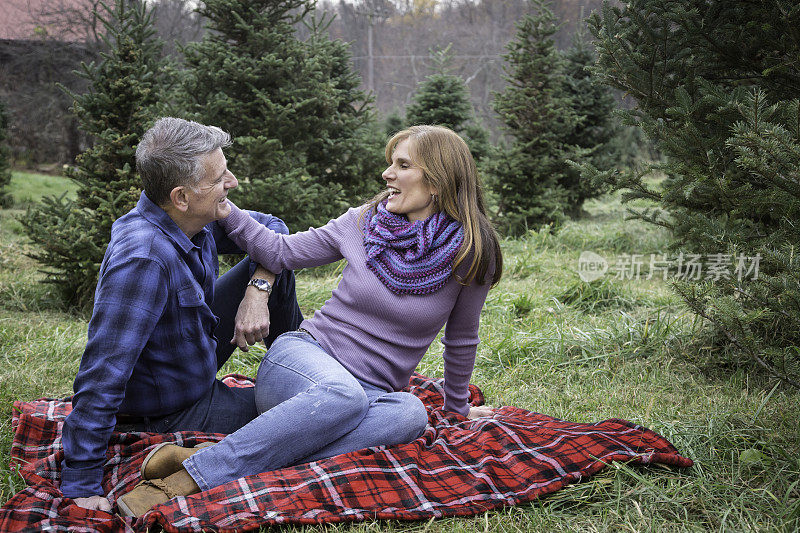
x,y
261,284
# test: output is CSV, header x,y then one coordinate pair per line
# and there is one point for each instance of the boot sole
x,y
124,510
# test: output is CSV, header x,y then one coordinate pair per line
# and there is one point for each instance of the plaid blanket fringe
x,y
457,468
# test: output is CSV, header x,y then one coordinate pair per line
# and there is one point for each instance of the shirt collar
x,y
159,218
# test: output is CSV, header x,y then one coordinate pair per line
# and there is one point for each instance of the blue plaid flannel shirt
x,y
151,348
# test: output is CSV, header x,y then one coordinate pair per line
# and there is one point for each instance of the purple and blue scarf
x,y
412,257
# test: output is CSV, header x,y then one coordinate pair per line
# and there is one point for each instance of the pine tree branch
x,y
761,301
735,341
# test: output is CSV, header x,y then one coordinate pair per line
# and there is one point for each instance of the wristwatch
x,y
261,284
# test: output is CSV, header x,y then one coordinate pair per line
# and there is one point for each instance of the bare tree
x,y
405,32
61,35
41,126
391,42
177,23
68,20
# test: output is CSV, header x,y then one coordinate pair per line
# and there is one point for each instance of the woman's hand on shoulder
x,y
480,412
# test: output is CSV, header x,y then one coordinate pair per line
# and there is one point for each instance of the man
x,y
161,320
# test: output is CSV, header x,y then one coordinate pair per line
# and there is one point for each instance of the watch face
x,y
261,284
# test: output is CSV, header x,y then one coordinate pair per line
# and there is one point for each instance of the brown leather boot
x,y
166,459
152,492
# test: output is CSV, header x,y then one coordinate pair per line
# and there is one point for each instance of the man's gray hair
x,y
169,155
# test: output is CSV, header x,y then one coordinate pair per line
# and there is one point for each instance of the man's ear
x,y
179,198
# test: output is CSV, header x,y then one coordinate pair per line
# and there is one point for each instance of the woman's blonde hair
x,y
449,168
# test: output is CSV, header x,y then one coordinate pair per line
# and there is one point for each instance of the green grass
x,y
549,343
27,188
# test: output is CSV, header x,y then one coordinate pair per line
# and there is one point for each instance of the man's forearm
x,y
252,318
263,273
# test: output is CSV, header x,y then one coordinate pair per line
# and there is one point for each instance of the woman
x,y
420,255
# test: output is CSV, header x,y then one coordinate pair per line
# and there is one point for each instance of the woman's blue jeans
x,y
311,408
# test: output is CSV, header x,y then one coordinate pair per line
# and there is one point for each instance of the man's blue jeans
x,y
225,409
311,408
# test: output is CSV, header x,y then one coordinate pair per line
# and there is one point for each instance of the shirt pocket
x,y
190,312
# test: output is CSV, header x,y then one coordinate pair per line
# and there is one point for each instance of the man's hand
x,y
94,503
480,412
252,317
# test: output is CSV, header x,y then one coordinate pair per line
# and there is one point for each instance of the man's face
x,y
208,200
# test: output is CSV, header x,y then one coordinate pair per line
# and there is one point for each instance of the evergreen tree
x,y
443,99
304,146
717,84
5,171
393,123
529,176
596,134
124,89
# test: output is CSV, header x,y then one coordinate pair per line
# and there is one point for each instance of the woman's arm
x,y
461,343
276,252
226,246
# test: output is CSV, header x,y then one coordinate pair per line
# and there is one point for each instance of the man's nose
x,y
232,181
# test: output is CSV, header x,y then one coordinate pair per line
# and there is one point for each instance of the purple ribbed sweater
x,y
379,336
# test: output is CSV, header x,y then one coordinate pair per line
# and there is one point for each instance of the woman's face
x,y
409,194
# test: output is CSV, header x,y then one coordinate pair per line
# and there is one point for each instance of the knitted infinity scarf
x,y
411,257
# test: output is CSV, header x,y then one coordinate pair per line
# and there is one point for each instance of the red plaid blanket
x,y
457,468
